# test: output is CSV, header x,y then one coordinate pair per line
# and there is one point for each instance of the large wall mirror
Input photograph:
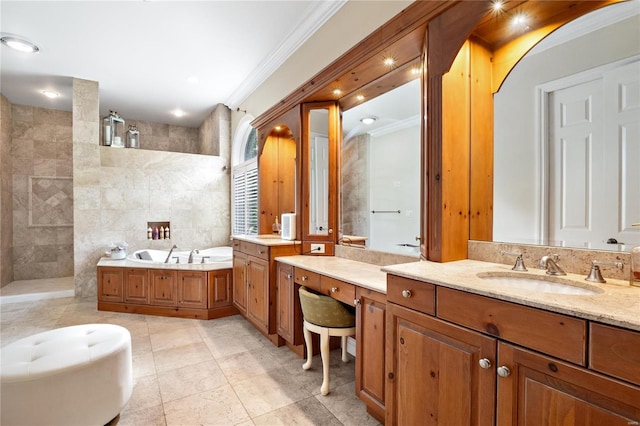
x,y
567,137
380,182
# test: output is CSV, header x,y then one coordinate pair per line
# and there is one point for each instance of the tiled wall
x,y
355,178
6,203
164,137
42,193
117,191
216,128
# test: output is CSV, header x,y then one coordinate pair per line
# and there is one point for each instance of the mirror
x,y
319,172
380,185
557,181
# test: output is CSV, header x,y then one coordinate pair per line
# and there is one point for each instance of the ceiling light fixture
x,y
368,120
497,5
19,44
337,92
519,20
389,61
360,98
50,94
178,113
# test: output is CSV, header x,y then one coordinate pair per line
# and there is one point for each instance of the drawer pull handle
x,y
356,302
406,293
260,251
503,371
484,363
304,278
334,289
289,276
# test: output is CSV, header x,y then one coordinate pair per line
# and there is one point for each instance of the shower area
x,y
36,204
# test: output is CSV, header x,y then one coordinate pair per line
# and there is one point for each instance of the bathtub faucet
x,y
191,255
169,255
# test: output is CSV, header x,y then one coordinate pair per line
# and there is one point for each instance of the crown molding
x,y
319,13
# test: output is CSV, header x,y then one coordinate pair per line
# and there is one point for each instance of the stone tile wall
x,y
213,130
42,193
164,137
6,193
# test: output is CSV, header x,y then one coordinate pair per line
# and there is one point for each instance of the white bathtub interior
x,y
209,255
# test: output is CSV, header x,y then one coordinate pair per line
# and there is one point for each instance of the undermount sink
x,y
540,284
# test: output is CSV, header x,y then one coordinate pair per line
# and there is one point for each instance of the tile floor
x,y
191,372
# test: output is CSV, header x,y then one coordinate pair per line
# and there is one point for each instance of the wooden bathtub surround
x,y
165,292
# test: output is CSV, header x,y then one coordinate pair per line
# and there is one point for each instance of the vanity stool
x,y
79,375
327,317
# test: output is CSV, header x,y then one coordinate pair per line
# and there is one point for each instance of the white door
x,y
594,153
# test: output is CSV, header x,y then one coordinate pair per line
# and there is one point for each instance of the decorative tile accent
x,y
50,201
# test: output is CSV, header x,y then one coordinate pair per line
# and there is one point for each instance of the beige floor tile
x,y
143,364
224,345
345,405
308,412
243,365
339,372
172,337
215,407
152,416
146,394
162,324
181,356
190,380
270,391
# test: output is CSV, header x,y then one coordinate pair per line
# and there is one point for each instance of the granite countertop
x,y
357,273
126,263
617,303
266,240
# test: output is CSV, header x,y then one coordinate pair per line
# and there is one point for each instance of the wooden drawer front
x,y
237,245
615,351
307,278
554,334
339,290
412,294
256,250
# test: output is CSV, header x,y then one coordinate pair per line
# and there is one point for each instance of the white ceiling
x,y
143,52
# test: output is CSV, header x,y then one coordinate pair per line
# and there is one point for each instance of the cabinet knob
x,y
260,251
356,302
503,371
484,363
304,278
334,289
406,293
289,276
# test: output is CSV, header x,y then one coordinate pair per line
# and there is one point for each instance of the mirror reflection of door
x,y
594,150
319,190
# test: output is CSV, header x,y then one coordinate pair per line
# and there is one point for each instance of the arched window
x,y
244,191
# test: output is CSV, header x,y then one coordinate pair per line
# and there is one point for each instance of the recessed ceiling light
x,y
519,20
337,92
497,5
368,120
360,98
178,113
19,44
389,61
415,70
50,94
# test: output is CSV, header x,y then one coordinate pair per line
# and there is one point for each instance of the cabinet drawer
x,y
615,351
339,290
555,334
237,246
307,278
412,294
256,250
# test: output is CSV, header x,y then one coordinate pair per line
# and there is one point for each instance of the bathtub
x,y
215,255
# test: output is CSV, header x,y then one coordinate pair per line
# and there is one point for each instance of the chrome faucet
x,y
191,255
169,255
546,262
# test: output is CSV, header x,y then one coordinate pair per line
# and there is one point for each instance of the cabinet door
x,y
192,289
289,316
370,340
540,390
258,293
163,287
240,282
433,372
136,286
220,288
110,284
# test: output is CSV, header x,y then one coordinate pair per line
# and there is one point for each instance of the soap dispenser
x,y
276,226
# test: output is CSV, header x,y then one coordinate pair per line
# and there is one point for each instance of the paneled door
x,y
594,150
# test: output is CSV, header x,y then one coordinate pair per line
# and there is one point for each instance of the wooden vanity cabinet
x,y
163,289
192,289
289,313
136,286
110,284
478,360
255,277
540,390
371,319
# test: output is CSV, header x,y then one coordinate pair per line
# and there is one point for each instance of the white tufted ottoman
x,y
78,375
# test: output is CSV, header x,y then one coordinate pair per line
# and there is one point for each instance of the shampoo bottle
x,y
635,264
276,226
